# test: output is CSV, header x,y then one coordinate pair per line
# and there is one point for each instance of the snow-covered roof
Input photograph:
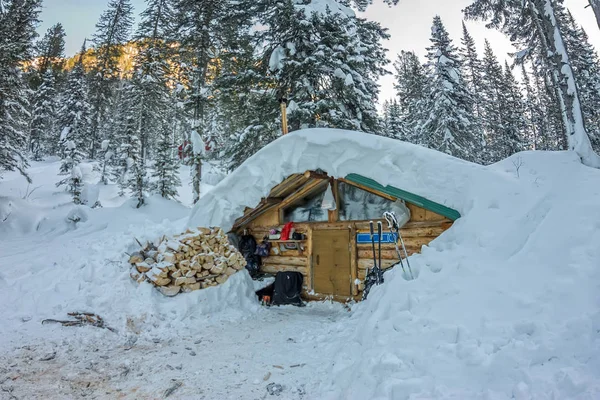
x,y
425,172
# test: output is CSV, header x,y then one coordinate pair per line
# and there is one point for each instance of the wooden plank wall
x,y
423,228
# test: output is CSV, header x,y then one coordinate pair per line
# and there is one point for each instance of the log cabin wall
x,y
424,226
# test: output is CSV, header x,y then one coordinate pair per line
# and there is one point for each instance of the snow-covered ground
x,y
506,304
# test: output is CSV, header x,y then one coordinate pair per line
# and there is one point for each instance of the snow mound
x,y
425,172
505,303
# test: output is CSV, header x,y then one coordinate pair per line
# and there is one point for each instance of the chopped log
x,y
230,271
143,267
136,258
168,257
170,290
217,269
191,287
190,273
221,279
149,261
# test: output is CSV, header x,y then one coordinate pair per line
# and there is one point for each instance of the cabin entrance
x,y
331,262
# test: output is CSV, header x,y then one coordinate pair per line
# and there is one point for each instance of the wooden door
x,y
331,262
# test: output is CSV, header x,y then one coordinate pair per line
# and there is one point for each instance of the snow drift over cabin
x,y
437,176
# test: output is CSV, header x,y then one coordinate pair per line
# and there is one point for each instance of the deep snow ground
x,y
227,359
50,266
505,306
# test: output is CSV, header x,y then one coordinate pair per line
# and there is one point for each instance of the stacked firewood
x,y
194,260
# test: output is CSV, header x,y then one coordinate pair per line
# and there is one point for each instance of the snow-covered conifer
x,y
449,125
18,19
42,138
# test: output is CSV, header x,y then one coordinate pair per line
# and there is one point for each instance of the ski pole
x,y
392,221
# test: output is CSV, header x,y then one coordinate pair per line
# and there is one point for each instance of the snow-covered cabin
x,y
330,184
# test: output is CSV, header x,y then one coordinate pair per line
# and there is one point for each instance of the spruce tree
x,y
534,24
471,68
411,91
70,167
532,111
514,113
112,32
327,64
50,51
449,125
42,127
151,72
202,27
166,171
18,19
492,111
74,112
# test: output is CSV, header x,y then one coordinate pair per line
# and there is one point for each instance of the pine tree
x,y
492,111
112,32
202,27
50,52
396,129
471,68
43,118
166,170
70,167
151,72
18,19
75,110
411,91
534,24
449,125
532,111
514,113
330,81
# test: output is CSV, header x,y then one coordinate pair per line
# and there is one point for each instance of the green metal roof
x,y
406,196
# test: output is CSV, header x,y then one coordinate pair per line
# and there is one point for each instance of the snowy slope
x,y
50,265
506,302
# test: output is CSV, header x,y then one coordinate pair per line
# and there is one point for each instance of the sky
x,y
409,24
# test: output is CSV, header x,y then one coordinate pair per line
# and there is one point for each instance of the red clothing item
x,y
286,231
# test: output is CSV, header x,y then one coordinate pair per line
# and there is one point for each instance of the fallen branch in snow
x,y
7,215
28,193
81,319
173,388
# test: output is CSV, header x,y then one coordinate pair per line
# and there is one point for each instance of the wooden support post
x,y
353,260
284,124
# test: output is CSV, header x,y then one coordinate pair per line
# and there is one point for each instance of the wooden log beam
x,y
364,263
286,260
273,269
301,192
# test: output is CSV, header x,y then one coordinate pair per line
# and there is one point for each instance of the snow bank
x,y
425,172
505,305
56,257
506,302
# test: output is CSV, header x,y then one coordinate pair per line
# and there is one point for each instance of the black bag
x,y
247,246
287,289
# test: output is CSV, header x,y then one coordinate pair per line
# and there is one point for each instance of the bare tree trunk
x,y
595,4
564,81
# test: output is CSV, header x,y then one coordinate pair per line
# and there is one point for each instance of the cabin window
x,y
359,205
309,208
